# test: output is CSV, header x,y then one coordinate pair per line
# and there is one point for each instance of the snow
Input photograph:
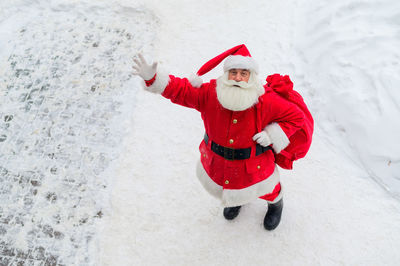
x,y
65,85
122,188
356,44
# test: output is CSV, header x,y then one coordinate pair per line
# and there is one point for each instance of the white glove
x,y
262,138
143,69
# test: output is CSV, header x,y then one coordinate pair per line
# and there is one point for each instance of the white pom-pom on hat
x,y
195,80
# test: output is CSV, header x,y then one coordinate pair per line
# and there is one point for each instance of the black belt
x,y
235,154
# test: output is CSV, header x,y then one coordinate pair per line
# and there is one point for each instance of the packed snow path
x,y
64,94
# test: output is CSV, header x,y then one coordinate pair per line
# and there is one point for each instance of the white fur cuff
x,y
159,84
278,137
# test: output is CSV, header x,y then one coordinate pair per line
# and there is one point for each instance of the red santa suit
x,y
235,182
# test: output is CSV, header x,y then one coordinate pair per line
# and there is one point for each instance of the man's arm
x,y
284,120
178,90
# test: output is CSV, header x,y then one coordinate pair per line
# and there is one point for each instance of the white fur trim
x,y
278,137
159,84
195,80
241,62
209,185
236,197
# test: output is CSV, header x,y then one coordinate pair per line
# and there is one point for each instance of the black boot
x,y
273,216
230,213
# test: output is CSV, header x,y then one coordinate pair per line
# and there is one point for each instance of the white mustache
x,y
241,84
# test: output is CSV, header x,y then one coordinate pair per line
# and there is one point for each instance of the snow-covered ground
x,y
348,57
96,171
65,86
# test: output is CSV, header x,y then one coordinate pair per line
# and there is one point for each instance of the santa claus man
x,y
244,126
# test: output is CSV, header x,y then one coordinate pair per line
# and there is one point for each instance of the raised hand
x,y
143,69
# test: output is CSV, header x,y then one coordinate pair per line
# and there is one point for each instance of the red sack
x,y
300,141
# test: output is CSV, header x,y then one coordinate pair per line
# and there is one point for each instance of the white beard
x,y
240,98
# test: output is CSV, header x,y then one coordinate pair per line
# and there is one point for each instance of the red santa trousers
x,y
272,196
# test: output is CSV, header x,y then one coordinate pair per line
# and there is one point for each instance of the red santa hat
x,y
236,57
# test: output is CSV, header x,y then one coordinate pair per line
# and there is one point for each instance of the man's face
x,y
238,74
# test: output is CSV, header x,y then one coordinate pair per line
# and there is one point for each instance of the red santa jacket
x,y
237,181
